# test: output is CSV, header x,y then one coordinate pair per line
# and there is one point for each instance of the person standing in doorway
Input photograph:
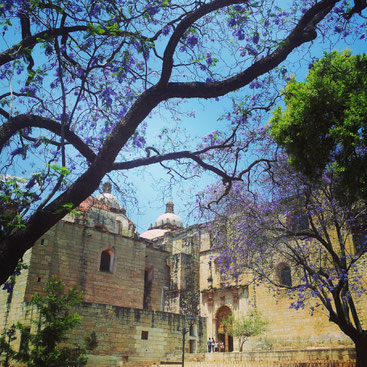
x,y
209,345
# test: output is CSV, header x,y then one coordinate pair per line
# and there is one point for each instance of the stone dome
x,y
108,198
169,218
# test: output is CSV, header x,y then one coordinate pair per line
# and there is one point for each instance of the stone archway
x,y
223,329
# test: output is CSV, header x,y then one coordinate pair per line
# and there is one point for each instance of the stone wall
x,y
12,305
287,327
134,335
293,328
156,261
308,357
72,252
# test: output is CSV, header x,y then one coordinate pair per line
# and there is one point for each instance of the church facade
x,y
138,289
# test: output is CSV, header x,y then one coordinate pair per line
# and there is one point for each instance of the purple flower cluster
x,y
192,40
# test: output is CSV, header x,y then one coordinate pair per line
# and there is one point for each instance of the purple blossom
x,y
139,141
152,10
239,34
251,50
192,40
16,151
232,22
166,30
208,59
28,90
107,96
255,84
96,10
256,38
31,183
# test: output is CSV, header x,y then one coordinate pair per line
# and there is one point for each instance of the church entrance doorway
x,y
224,328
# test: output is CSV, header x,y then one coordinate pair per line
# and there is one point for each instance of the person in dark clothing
x,y
209,345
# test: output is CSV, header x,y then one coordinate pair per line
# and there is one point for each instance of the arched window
x,y
106,263
285,275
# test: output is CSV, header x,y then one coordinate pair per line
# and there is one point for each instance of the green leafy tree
x,y
47,346
323,127
250,325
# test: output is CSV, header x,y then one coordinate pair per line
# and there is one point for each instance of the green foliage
x,y
253,324
69,208
12,196
47,346
323,127
60,170
5,348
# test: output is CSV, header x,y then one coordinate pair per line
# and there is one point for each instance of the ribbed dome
x,y
169,218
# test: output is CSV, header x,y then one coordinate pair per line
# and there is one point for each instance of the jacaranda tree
x,y
79,79
320,243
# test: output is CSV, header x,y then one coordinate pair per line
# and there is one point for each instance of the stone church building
x,y
138,289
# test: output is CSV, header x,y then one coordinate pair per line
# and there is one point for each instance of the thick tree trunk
x,y
361,351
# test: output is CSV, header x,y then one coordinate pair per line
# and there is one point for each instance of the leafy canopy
x,y
323,126
46,346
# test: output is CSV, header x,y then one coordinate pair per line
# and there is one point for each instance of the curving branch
x,y
185,154
182,27
30,41
13,248
12,126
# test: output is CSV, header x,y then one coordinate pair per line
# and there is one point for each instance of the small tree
x,y
251,325
45,347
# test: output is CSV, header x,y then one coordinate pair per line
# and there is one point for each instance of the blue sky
x,y
151,200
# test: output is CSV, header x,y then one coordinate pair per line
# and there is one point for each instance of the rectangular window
x,y
144,335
